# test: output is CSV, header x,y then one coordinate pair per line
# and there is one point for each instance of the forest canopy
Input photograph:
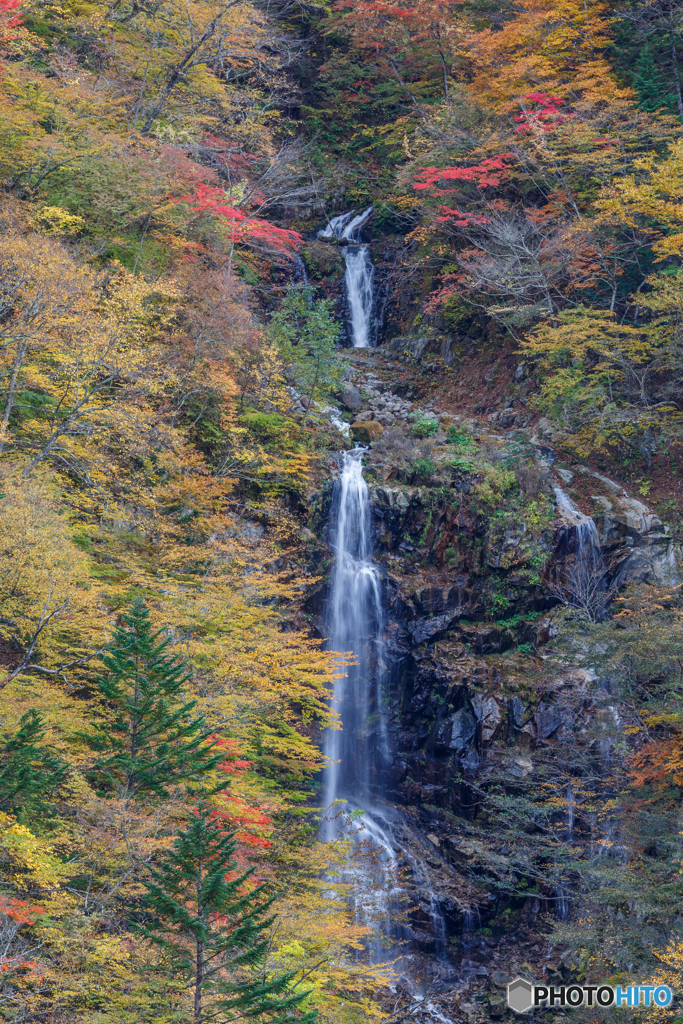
x,y
164,167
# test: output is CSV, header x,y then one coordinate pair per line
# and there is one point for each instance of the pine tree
x,y
29,771
652,81
214,931
153,742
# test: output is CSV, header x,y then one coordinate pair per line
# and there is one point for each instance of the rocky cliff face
x,y
469,535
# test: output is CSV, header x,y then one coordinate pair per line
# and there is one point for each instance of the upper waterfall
x,y
360,273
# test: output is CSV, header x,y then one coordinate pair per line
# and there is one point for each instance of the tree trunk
x,y
674,66
175,76
199,979
9,405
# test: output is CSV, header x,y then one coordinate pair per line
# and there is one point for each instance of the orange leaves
x,y
20,911
658,763
233,763
550,45
247,821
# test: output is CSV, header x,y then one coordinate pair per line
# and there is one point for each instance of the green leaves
x,y
307,337
29,771
150,742
215,929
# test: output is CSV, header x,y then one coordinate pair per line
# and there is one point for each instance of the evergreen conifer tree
x,y
29,771
214,931
153,742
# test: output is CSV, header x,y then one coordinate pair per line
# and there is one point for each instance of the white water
x,y
359,753
587,536
356,627
360,273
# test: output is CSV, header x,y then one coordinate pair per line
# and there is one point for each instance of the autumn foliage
x,y
163,167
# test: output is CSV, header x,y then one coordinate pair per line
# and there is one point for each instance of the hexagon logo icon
x,y
520,995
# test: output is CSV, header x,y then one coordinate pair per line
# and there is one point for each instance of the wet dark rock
x,y
636,544
547,721
429,628
458,732
517,712
489,714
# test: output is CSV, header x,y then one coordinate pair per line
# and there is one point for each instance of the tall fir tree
x,y
151,742
29,770
214,930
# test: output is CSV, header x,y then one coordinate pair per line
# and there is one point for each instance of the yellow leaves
x,y
41,575
316,936
258,683
652,195
604,378
82,356
30,858
54,220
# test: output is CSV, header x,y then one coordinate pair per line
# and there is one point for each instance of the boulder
x,y
323,259
366,431
635,543
504,418
351,397
517,712
432,626
393,498
547,719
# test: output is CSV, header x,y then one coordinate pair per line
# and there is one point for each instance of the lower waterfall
x,y
356,626
359,753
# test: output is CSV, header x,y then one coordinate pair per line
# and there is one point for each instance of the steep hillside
x,y
292,729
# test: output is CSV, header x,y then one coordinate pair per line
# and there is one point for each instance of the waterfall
x,y
356,752
355,625
359,274
359,753
587,537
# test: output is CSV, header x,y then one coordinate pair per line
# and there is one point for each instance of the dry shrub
x,y
530,479
398,450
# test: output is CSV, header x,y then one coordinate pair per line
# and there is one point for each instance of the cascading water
x,y
355,626
359,275
587,536
359,753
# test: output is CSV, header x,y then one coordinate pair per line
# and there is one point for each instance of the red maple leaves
x,y
10,16
240,226
488,173
545,112
15,914
247,821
